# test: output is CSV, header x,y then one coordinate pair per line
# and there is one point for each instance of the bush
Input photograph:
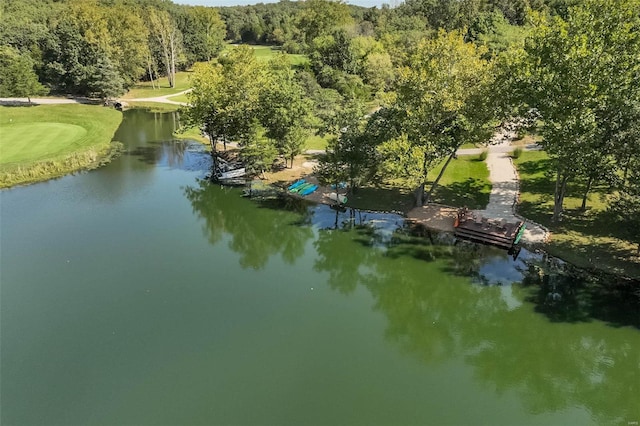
x,y
483,155
516,153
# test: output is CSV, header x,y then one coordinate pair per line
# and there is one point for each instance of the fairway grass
x,y
265,53
160,87
47,141
38,141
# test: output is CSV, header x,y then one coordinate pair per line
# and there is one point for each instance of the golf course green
x,y
38,141
47,141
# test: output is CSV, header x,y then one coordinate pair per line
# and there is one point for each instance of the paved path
x,y
504,192
44,101
49,101
162,99
505,188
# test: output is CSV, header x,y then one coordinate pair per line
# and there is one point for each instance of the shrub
x,y
516,153
483,155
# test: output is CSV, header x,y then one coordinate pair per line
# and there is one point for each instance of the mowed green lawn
x,y
160,87
464,183
39,141
145,89
584,238
32,136
264,53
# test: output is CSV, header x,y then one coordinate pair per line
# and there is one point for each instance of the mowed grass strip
x,y
45,141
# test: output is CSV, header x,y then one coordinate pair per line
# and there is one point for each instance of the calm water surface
x,y
141,294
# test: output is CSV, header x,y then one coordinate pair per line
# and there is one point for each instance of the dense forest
x,y
102,47
399,88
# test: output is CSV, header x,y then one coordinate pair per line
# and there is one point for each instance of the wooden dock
x,y
500,233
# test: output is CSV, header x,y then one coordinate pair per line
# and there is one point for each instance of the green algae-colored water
x,y
141,294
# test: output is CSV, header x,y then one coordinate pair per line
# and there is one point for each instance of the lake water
x,y
142,294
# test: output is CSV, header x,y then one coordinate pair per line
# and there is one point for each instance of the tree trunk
x,y
626,170
292,156
583,207
420,190
153,85
212,141
558,198
435,182
172,79
420,195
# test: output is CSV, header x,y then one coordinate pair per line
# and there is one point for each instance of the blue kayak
x,y
309,190
297,184
299,189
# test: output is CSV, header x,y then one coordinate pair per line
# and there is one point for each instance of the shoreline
x,y
39,151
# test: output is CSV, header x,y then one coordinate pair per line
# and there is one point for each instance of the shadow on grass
x,y
534,167
17,104
602,254
381,199
472,193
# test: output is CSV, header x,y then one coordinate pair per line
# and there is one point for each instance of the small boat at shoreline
x,y
229,173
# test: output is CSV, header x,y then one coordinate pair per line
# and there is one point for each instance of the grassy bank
x,y
155,106
145,89
586,238
47,141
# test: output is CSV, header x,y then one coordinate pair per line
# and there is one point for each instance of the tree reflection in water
x,y
436,312
528,327
255,234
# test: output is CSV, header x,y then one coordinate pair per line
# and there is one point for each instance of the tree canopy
x,y
582,76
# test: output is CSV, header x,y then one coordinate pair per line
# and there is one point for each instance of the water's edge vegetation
x,y
49,141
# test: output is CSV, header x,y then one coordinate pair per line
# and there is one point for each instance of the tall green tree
x,y
203,33
128,49
258,152
168,39
582,76
351,155
17,76
244,79
104,81
284,108
320,17
225,98
443,100
206,105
